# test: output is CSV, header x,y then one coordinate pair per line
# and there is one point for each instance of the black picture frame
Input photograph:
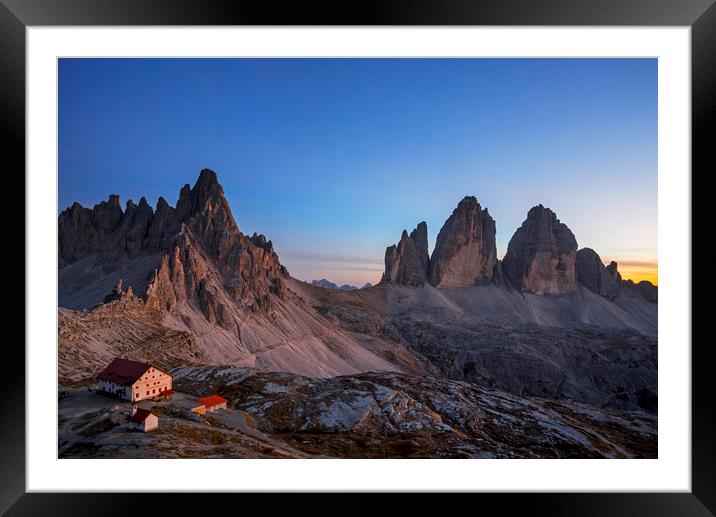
x,y
16,15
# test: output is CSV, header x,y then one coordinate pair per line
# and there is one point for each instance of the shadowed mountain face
x,y
541,255
407,263
576,346
592,274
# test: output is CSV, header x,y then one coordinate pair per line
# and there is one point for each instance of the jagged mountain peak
x,y
112,201
465,251
205,256
541,211
207,179
206,190
468,201
541,254
407,262
419,230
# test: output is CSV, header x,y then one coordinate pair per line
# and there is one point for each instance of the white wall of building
x,y
151,384
151,422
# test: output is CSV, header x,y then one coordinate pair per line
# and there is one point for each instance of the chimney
x,y
134,409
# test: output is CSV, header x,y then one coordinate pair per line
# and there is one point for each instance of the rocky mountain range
x,y
327,284
183,286
192,267
542,257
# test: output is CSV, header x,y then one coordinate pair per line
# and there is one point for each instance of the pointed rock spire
x,y
183,208
420,238
206,190
407,263
465,252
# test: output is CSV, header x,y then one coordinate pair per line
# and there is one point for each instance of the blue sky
x,y
333,158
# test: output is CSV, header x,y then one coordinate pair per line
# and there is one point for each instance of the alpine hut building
x,y
134,381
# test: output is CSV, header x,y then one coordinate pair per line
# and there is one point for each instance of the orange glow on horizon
x,y
638,274
358,273
636,268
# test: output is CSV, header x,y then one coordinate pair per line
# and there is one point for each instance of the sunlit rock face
x,y
465,252
541,255
195,252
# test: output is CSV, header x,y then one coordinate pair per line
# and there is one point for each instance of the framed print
x,y
424,249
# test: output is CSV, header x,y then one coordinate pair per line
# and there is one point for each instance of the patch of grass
x,y
189,433
215,437
100,426
250,420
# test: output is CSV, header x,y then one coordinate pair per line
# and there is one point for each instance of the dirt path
x,y
232,418
235,418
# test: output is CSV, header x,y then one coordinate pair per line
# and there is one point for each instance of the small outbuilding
x,y
213,402
197,407
143,419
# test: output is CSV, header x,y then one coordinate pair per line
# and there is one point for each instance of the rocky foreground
x,y
372,415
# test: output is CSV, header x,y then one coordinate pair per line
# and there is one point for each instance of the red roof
x,y
124,372
213,400
140,416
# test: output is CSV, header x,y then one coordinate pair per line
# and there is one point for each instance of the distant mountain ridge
x,y
326,284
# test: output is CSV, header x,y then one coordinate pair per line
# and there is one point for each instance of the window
x,y
147,392
154,391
